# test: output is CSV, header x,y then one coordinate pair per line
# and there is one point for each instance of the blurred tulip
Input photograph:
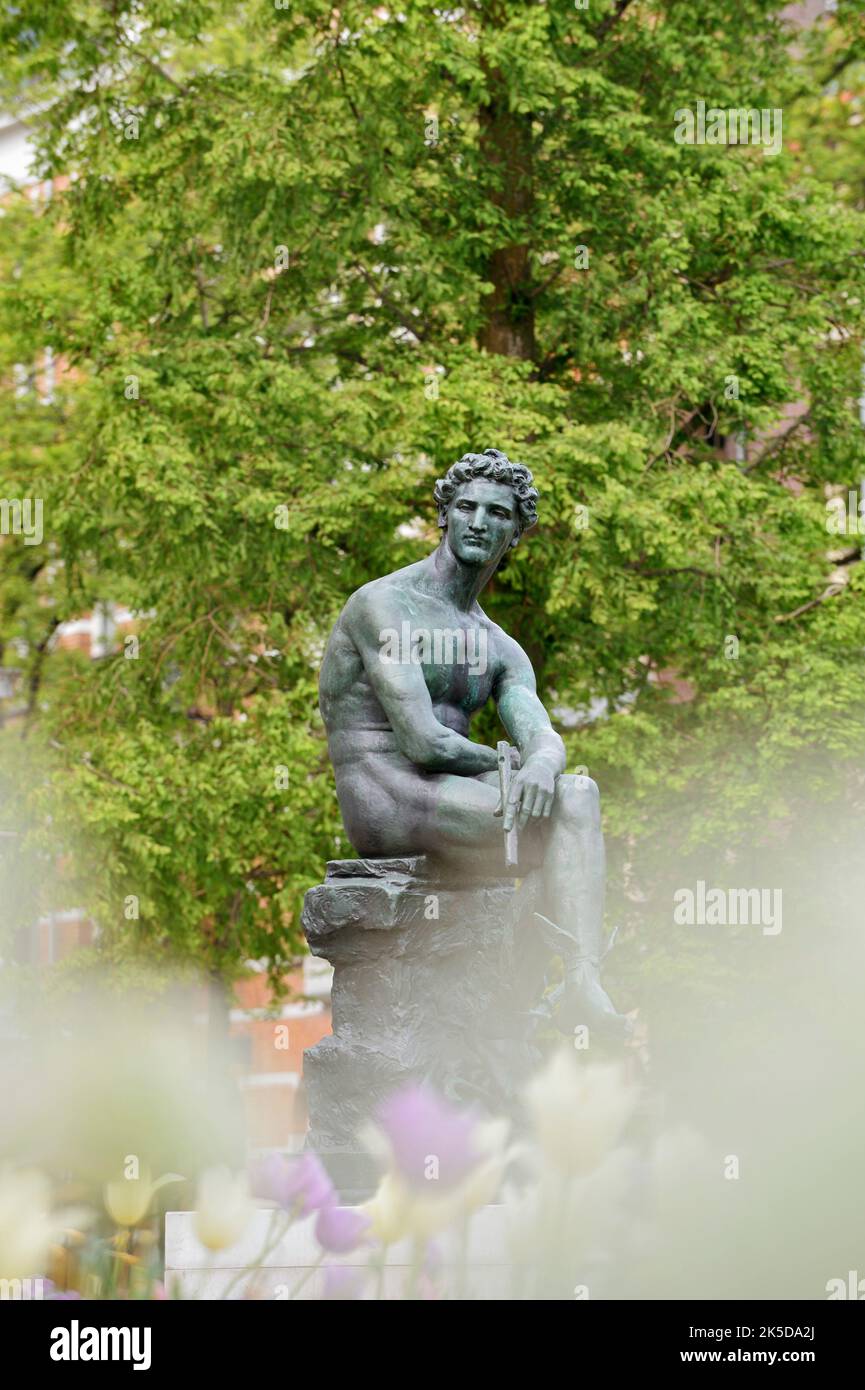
x,y
387,1211
222,1208
396,1212
482,1184
339,1229
128,1200
444,1163
26,1226
428,1137
300,1185
578,1111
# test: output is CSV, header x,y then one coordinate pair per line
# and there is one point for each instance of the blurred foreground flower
x,y
127,1201
127,1078
427,1137
340,1229
443,1163
388,1210
222,1208
578,1112
26,1226
299,1185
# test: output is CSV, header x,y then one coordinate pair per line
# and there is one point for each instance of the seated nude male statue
x,y
408,778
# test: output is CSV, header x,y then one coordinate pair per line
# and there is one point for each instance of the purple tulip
x,y
340,1282
298,1184
430,1140
339,1229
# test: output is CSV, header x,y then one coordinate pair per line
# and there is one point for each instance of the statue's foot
x,y
585,1002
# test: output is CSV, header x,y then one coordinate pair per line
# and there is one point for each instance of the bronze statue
x,y
412,657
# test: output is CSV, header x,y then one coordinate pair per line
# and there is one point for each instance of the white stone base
x,y
194,1272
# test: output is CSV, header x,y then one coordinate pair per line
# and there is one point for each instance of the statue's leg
x,y
573,881
390,807
563,864
574,868
403,811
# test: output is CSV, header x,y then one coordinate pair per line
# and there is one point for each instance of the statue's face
x,y
482,521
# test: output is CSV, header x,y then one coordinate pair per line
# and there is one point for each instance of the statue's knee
x,y
580,801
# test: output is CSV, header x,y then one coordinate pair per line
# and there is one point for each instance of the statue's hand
x,y
532,794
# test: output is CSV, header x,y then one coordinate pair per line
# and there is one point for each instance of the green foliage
x,y
210,385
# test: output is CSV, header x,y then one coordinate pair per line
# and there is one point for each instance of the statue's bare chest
x,y
453,651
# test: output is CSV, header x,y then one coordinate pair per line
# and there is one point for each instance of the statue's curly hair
x,y
497,467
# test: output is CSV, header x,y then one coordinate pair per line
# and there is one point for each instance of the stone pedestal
x,y
432,982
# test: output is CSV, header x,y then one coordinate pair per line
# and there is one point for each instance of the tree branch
x,y
778,442
612,18
830,592
35,680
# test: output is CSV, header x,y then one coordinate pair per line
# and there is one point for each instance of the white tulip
x,y
578,1111
127,1200
222,1209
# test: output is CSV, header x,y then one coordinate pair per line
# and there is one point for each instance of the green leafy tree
x,y
309,256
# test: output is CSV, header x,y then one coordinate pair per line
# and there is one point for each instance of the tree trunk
x,y
218,1024
506,147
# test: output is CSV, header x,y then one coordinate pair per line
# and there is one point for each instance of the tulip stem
x,y
378,1262
307,1275
417,1255
271,1241
463,1266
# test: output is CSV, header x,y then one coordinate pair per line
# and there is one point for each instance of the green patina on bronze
x,y
412,657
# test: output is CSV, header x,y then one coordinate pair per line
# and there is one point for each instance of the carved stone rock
x,y
432,982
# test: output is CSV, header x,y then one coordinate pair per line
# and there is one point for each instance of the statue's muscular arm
x,y
402,691
542,753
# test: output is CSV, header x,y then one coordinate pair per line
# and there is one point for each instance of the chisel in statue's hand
x,y
503,749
